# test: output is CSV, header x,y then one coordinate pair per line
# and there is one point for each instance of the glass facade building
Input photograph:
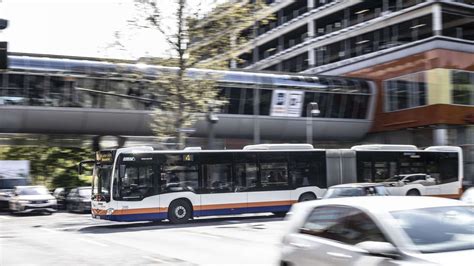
x,y
419,53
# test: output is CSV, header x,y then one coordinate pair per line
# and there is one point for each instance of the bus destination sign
x,y
104,156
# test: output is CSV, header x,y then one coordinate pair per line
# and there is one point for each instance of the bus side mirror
x,y
80,167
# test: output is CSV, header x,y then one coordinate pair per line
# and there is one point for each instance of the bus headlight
x,y
110,211
23,202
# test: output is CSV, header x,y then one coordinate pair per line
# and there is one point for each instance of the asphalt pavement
x,y
77,239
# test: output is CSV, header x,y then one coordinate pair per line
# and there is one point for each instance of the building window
x,y
463,87
374,41
405,92
296,64
458,25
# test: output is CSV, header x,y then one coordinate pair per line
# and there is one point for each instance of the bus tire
x,y
306,197
413,192
179,212
280,214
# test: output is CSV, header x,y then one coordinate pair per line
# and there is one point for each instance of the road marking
x,y
203,234
94,242
49,230
5,217
154,259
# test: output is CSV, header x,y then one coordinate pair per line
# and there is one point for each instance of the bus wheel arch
x,y
307,196
180,211
413,192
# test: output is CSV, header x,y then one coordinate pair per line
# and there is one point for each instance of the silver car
x,y
379,231
28,199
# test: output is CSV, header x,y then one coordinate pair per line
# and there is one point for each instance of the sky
x,y
81,28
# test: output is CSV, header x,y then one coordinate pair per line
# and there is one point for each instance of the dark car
x,y
60,194
355,190
79,199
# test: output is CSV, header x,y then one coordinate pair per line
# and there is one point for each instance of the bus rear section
x,y
407,170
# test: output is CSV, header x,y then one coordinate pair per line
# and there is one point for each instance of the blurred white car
x,y
27,199
468,196
379,231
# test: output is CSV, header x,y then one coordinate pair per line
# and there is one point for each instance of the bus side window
x,y
274,171
307,169
245,172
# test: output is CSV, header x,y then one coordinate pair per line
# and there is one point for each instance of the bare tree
x,y
187,96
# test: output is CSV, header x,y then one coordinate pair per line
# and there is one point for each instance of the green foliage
x,y
50,166
187,99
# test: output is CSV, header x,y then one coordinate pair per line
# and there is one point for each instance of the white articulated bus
x,y
136,184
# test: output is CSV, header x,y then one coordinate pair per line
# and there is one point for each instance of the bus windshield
x,y
101,182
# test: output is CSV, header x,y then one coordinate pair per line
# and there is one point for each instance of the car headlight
x,y
23,202
52,201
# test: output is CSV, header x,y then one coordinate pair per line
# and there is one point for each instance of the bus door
x,y
135,186
271,191
220,193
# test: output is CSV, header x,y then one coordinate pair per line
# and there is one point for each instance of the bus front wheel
x,y
179,211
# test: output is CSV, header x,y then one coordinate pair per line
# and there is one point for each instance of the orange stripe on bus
x,y
139,211
270,203
243,205
449,196
99,212
220,206
197,208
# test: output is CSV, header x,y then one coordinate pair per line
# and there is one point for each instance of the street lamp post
x,y
312,109
212,119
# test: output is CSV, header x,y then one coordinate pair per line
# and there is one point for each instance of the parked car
x,y
5,195
28,199
401,180
60,194
379,231
468,196
410,184
79,199
355,190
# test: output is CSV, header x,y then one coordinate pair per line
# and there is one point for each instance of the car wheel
x,y
307,197
179,212
413,192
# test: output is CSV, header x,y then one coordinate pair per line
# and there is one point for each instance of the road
x,y
77,239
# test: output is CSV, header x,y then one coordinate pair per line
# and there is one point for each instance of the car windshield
x,y
85,192
32,191
355,192
344,192
439,229
101,181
